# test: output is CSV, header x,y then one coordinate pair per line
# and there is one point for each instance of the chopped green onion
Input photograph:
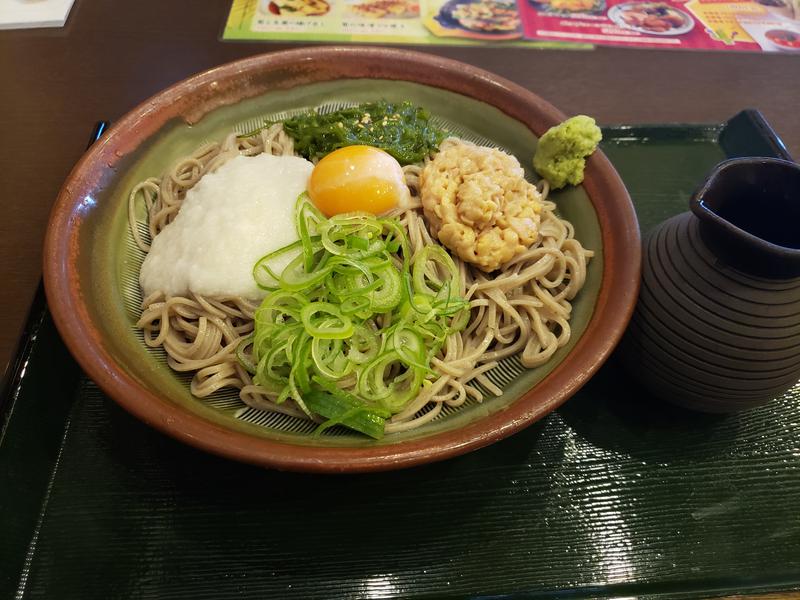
x,y
341,412
359,243
244,359
364,345
354,309
265,277
389,292
330,329
295,277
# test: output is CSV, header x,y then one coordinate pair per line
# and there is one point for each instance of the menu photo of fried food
x,y
481,16
656,18
384,9
295,8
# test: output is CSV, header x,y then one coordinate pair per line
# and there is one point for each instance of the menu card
x,y
440,22
23,14
751,25
769,25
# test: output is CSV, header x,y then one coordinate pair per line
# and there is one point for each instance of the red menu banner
x,y
769,25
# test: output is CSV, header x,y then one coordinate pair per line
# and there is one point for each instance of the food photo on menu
x,y
724,25
474,19
384,9
769,25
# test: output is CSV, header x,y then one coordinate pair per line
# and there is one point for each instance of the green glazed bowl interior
x,y
92,264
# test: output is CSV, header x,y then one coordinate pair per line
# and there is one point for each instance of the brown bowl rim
x,y
221,85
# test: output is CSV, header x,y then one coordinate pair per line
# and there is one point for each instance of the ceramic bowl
x,y
91,268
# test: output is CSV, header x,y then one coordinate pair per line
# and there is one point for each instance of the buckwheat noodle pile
x,y
523,309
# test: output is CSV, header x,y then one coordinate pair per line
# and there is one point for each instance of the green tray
x,y
615,494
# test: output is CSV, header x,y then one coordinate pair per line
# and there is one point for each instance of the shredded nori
x,y
403,130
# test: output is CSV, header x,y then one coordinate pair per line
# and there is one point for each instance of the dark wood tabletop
x,y
55,83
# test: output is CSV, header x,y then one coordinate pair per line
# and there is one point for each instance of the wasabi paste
x,y
561,153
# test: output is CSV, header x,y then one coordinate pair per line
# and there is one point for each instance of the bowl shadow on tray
x,y
428,501
614,412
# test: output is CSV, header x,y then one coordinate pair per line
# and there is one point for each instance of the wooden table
x,y
54,84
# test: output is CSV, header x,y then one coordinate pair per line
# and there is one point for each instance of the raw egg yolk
x,y
357,178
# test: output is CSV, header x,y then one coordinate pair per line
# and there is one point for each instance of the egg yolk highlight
x,y
357,178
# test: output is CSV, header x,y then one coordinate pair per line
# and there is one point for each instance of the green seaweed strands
x,y
403,130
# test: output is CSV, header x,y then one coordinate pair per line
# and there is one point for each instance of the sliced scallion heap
x,y
349,328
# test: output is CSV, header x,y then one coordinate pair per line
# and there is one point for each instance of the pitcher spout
x,y
749,212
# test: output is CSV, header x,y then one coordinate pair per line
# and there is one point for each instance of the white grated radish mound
x,y
229,220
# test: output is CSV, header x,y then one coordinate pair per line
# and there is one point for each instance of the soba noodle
x,y
523,309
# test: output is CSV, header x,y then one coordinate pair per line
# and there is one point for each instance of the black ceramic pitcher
x,y
717,324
